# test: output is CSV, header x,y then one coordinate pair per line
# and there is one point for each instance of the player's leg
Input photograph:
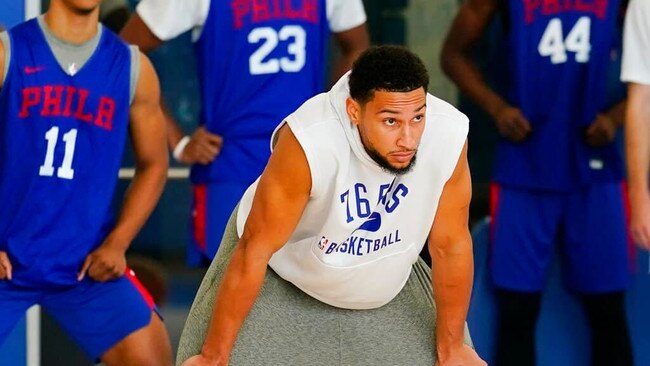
x,y
14,301
114,321
598,251
523,229
517,314
146,346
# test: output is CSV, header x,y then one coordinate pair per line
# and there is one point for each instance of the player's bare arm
x,y
452,263
136,32
637,149
203,146
468,27
352,43
279,202
148,134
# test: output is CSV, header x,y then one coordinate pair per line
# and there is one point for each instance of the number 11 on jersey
x,y
65,171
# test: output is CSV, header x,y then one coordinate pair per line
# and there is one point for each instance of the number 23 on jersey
x,y
268,40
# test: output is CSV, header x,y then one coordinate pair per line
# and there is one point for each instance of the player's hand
x,y
201,360
5,266
105,263
640,222
464,356
512,124
601,132
202,148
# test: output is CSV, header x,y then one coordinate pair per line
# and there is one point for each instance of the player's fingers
x,y
3,274
84,268
517,132
210,150
214,139
5,267
594,139
97,271
106,268
592,129
194,157
522,123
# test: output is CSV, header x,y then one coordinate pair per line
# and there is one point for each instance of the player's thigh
x,y
14,301
98,315
523,230
597,244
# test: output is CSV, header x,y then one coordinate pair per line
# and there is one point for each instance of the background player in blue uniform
x,y
257,62
558,174
68,90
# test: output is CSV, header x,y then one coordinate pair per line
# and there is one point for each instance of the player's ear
x,y
354,110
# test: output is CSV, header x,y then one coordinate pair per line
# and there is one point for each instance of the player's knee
x,y
148,346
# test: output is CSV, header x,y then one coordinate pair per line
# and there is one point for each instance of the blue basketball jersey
x,y
557,57
61,143
258,62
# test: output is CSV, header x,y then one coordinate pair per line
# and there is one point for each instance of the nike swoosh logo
x,y
32,70
372,224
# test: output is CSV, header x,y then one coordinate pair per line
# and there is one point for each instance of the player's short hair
x,y
386,68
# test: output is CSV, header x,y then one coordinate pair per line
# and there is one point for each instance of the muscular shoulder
x,y
147,88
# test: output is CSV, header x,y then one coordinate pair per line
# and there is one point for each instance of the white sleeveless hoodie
x,y
363,228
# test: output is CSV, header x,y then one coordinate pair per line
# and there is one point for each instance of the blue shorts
x,y
96,315
589,227
212,205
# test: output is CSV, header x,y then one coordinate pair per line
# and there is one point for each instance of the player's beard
x,y
385,165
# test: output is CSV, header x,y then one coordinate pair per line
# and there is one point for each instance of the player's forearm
x,y
347,59
344,64
463,72
236,295
452,274
174,131
637,137
140,199
352,44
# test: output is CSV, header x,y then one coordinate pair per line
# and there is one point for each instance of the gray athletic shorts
x,y
288,327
